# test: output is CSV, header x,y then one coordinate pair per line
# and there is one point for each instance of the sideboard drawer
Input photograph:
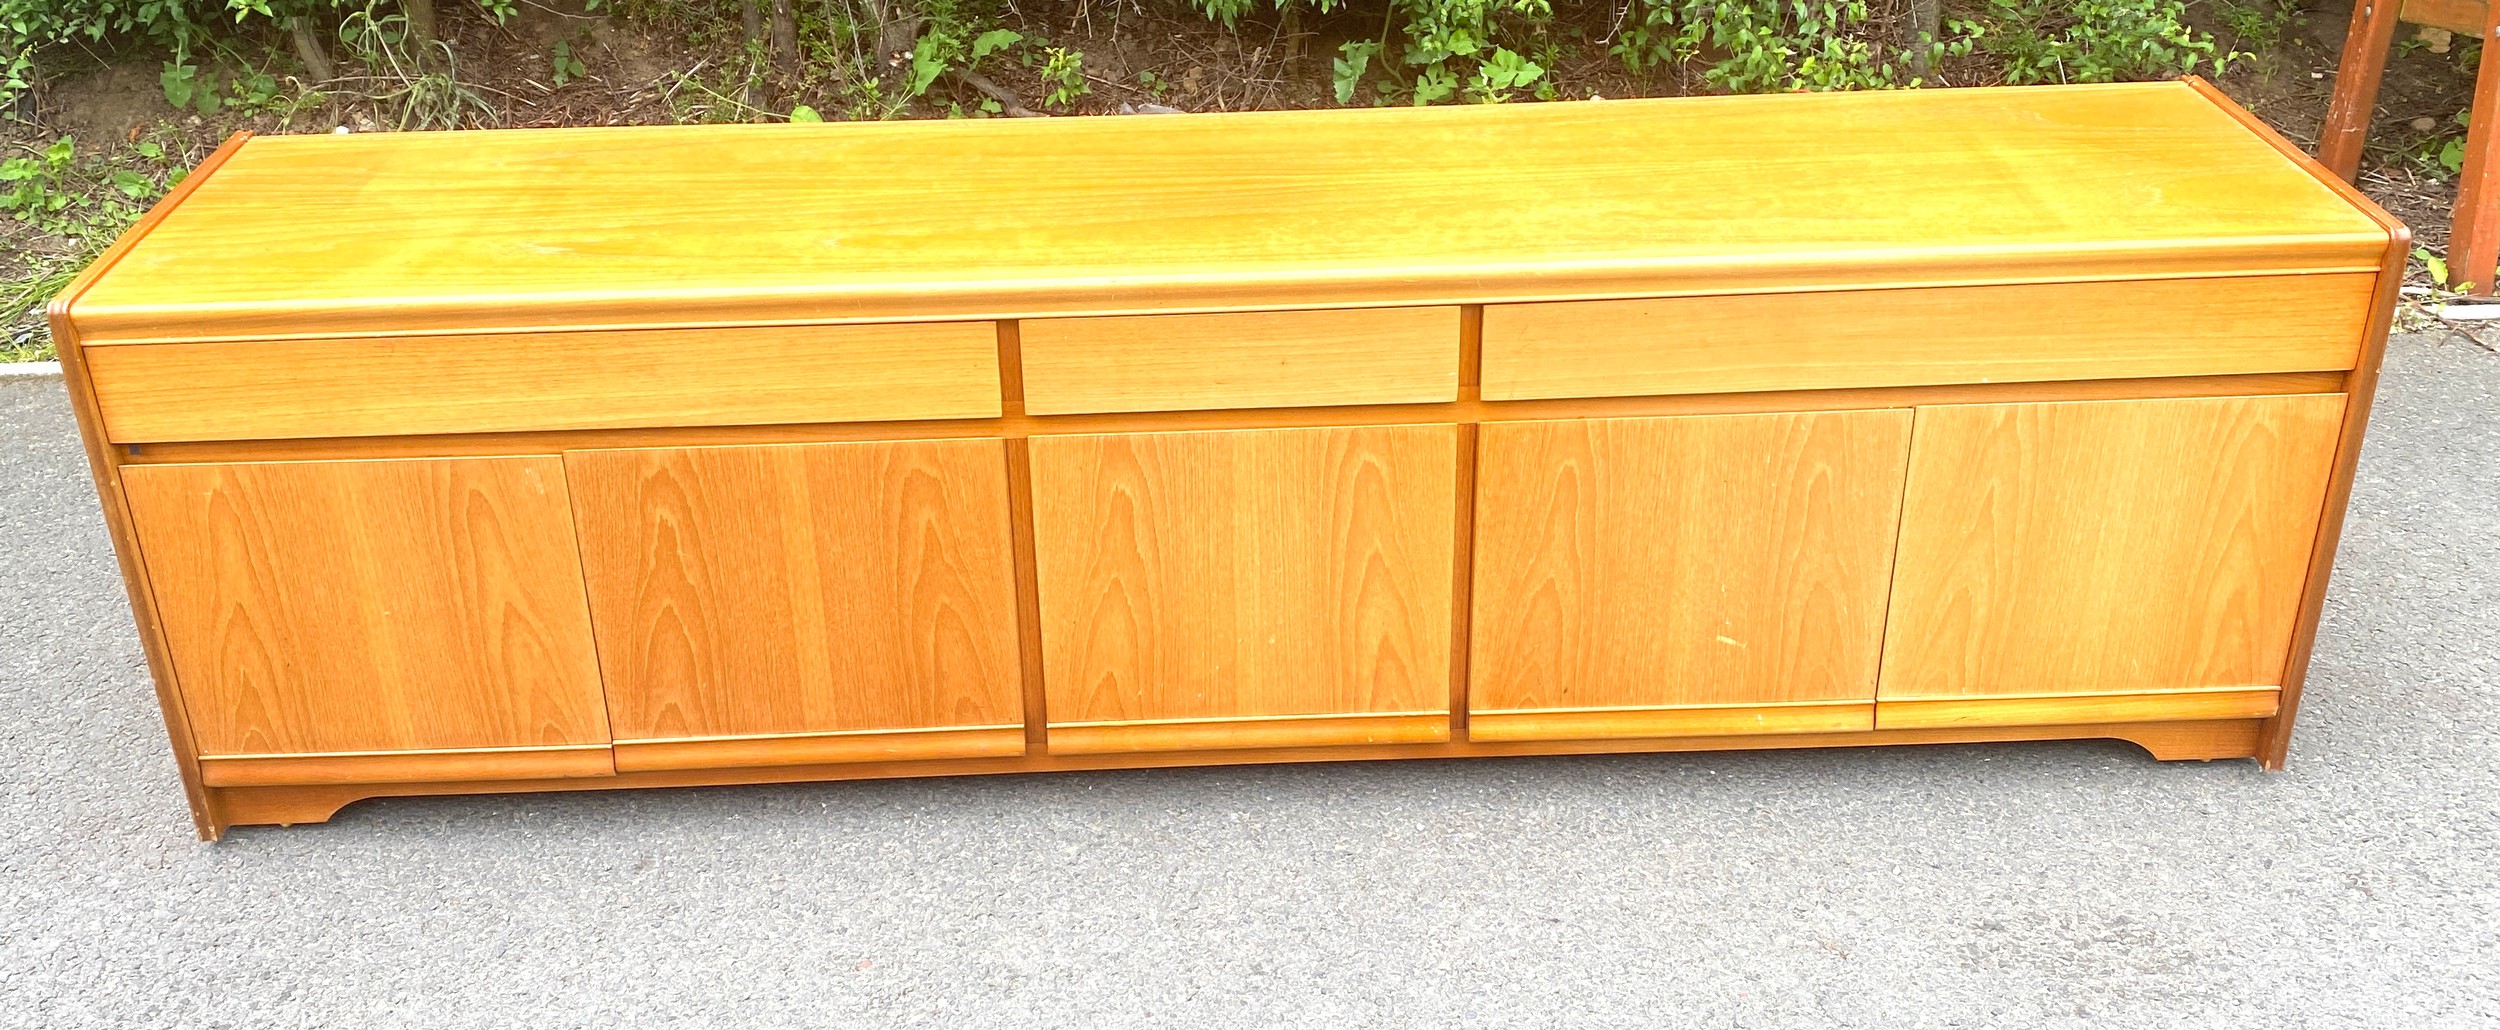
x,y
2027,332
538,381
1248,359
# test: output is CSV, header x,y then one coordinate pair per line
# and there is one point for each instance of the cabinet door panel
x,y
1195,583
790,604
344,608
1682,576
2075,557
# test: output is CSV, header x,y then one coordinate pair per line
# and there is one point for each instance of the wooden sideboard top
x,y
400,233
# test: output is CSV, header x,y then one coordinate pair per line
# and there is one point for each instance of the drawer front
x,y
1256,359
539,381
1973,334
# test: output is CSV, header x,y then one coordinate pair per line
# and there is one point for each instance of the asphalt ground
x,y
2008,885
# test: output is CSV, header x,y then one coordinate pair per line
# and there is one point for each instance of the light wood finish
x,y
2067,709
1245,575
1016,427
1240,360
1300,577
361,606
1718,560
522,763
487,232
1095,738
2361,387
104,463
753,751
2164,741
2107,546
801,589
229,391
1671,721
1864,338
2463,17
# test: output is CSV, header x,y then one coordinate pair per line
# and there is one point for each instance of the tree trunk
x,y
420,19
785,40
309,49
1926,26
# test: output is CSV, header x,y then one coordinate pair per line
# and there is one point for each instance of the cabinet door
x,y
366,621
793,604
1248,588
2104,561
1647,577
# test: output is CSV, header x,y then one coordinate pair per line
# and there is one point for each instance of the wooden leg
x,y
2474,238
2366,44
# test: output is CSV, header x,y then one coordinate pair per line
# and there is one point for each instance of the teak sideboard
x,y
532,460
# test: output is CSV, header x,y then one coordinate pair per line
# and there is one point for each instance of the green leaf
x,y
994,41
180,82
1353,60
804,113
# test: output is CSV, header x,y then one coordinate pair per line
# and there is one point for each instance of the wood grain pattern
x,y
766,223
2165,741
104,464
371,605
2107,546
2361,386
1978,334
1717,560
577,761
1015,427
745,752
2059,709
2463,17
590,380
747,591
1670,721
1242,575
1095,738
2357,74
1240,360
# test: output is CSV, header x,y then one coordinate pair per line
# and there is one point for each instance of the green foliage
x,y
80,200
567,66
2093,40
1063,76
1760,46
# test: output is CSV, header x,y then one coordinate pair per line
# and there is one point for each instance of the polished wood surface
x,y
800,589
2033,419
230,391
2106,546
1704,561
573,761
1263,210
104,465
1862,338
1240,360
2165,741
756,750
1243,575
1671,721
371,605
2078,708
